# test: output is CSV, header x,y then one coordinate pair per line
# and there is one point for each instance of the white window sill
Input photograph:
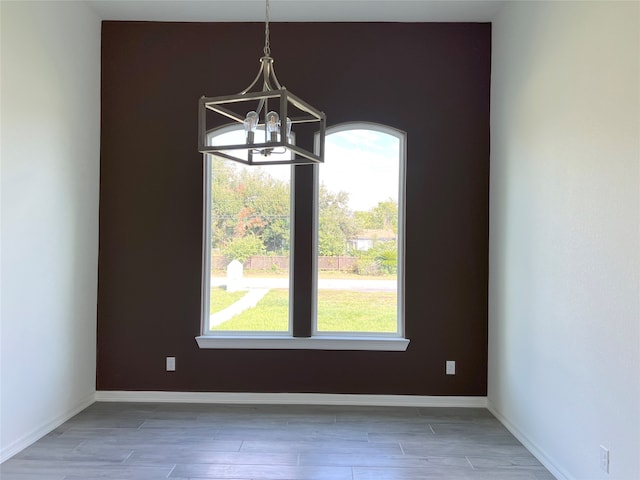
x,y
296,343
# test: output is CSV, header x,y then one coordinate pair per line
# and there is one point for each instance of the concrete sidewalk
x,y
249,300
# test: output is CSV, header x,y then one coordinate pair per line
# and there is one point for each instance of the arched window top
x,y
370,126
360,220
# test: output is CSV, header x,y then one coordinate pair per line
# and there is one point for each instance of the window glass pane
x,y
250,244
358,235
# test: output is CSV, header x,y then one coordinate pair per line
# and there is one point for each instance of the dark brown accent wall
x,y
430,80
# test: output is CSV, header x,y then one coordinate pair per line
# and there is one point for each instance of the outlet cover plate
x,y
451,367
171,364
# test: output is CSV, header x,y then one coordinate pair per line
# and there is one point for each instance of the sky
x,y
364,163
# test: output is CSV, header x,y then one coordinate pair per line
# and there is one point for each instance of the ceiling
x,y
298,10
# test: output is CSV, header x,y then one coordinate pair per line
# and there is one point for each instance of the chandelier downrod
x,y
267,46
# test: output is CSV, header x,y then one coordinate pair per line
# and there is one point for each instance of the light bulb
x,y
288,129
273,125
250,125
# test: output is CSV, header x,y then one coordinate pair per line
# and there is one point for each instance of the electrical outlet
x,y
171,364
604,459
450,367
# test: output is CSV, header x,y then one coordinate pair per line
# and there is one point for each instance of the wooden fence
x,y
264,262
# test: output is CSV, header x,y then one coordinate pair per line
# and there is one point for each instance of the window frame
x,y
400,239
206,247
367,341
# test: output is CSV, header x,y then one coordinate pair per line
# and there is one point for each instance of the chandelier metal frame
x,y
256,99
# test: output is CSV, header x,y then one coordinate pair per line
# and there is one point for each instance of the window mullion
x,y
303,254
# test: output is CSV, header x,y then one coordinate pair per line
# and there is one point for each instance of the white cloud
x,y
364,163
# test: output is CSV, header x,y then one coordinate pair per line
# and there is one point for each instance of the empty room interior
x,y
512,346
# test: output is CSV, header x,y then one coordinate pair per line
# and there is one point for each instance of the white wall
x,y
564,328
49,206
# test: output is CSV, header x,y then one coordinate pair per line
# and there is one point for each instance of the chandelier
x,y
272,126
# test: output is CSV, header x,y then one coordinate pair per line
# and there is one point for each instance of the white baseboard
x,y
535,450
292,399
23,442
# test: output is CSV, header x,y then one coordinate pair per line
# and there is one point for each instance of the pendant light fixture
x,y
277,127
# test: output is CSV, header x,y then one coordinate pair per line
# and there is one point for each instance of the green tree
x,y
386,257
337,222
243,247
382,258
383,216
248,201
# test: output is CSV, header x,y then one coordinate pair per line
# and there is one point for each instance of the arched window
x,y
248,243
351,296
360,231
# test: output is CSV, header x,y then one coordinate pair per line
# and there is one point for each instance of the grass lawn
x,y
270,315
221,299
338,311
346,311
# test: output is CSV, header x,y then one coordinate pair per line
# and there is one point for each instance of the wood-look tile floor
x,y
136,441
